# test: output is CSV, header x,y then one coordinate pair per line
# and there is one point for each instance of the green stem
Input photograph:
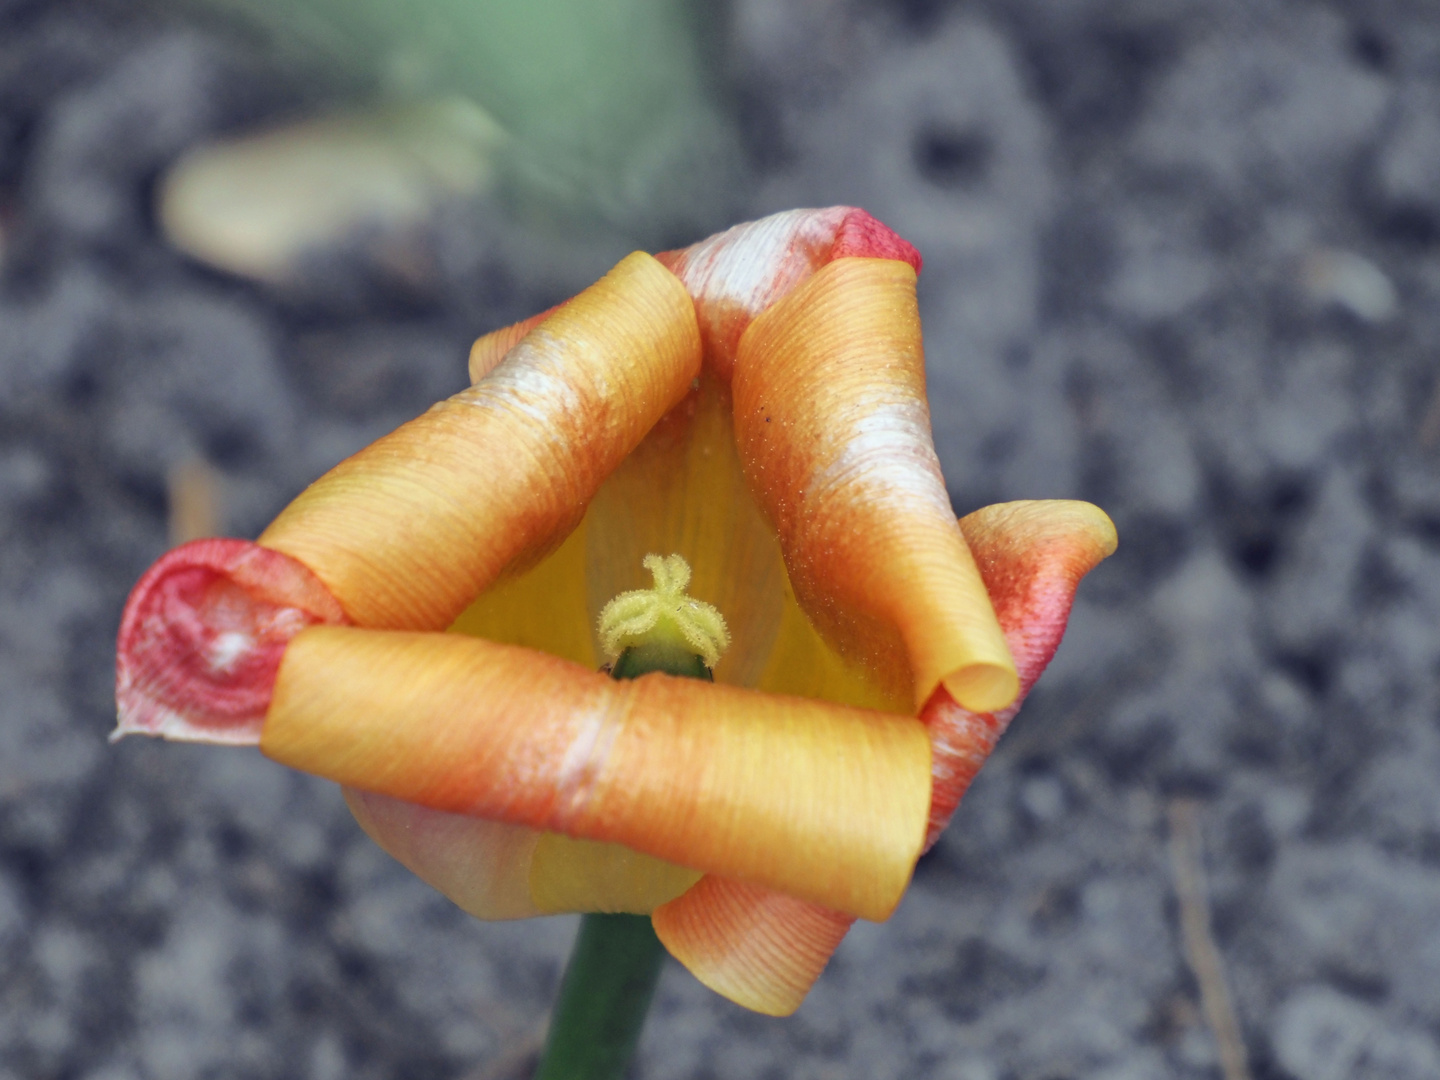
x,y
616,961
608,985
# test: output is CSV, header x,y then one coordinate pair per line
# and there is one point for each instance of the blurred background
x,y
1182,259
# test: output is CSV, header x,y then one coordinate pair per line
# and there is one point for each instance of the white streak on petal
x,y
753,264
889,454
583,763
227,648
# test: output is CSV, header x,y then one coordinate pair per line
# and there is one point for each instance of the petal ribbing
x,y
488,350
736,274
813,799
1032,556
764,950
411,529
760,948
834,434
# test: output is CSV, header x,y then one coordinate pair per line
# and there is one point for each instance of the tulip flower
x,y
420,624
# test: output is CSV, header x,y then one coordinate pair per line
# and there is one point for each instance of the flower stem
x,y
608,985
616,961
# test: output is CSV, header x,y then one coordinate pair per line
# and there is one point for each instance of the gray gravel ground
x,y
1182,259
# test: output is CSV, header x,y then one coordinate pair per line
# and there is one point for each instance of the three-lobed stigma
x,y
664,617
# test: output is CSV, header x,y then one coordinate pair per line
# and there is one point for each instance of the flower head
x,y
754,404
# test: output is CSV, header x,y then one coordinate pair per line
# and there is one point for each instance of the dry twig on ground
x,y
1188,866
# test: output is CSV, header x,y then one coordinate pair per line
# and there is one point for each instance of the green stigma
x,y
663,620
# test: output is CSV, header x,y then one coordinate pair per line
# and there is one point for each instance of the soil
x,y
1182,260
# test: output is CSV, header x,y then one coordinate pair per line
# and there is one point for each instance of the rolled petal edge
x,y
201,639
812,799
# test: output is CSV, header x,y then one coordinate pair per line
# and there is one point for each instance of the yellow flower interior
x,y
681,491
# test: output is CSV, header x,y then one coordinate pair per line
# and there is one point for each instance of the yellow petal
x,y
498,871
543,608
410,530
483,866
759,948
820,801
834,434
587,875
802,664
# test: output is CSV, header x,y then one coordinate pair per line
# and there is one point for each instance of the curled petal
x,y
489,350
834,433
765,950
736,274
202,636
813,799
760,948
411,529
1032,556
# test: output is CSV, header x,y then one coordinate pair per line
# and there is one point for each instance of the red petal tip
x,y
862,236
202,636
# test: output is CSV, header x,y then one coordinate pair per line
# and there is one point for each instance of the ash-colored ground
x,y
1182,259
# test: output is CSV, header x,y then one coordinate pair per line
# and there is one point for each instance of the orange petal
x,y
820,801
1032,556
489,350
765,950
411,529
834,432
483,866
736,274
202,636
760,948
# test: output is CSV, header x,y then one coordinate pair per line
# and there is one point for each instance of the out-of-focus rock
x,y
1407,166
1347,280
1350,912
261,204
1319,586
943,142
104,138
1322,1034
163,408
1162,269
48,341
1265,110
1397,800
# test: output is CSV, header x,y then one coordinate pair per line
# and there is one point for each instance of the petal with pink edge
x,y
764,949
202,635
